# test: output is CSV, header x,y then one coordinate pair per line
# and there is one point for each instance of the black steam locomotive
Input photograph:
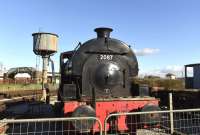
x,y
96,79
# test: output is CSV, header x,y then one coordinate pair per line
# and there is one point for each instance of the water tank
x,y
45,44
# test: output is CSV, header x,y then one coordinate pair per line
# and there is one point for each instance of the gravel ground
x,y
151,132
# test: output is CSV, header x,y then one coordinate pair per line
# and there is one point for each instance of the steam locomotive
x,y
96,80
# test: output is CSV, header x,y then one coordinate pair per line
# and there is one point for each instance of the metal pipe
x,y
93,98
53,71
44,70
44,76
171,113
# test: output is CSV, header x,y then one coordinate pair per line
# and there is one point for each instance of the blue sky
x,y
170,28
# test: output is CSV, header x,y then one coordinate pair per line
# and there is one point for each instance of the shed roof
x,y
192,65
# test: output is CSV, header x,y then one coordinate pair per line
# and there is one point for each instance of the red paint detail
x,y
70,106
104,108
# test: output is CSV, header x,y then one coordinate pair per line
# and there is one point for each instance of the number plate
x,y
105,57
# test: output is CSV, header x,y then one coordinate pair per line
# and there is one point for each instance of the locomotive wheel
x,y
152,118
84,125
132,122
135,122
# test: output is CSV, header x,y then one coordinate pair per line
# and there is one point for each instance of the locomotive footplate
x,y
106,107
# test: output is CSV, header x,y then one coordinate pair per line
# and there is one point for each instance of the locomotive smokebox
x,y
103,32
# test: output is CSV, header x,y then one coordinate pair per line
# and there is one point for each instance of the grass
x,y
167,84
9,87
13,87
152,82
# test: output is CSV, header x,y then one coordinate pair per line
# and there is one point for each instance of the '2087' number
x,y
106,57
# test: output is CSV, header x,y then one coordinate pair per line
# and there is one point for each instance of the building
x,y
2,74
192,76
170,76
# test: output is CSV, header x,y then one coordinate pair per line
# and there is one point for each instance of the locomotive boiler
x,y
96,80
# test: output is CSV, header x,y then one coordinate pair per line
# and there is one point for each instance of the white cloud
x,y
174,69
146,51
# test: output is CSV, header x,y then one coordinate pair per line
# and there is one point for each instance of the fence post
x,y
171,113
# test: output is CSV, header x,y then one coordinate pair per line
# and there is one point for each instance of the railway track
x,y
21,93
18,93
8,98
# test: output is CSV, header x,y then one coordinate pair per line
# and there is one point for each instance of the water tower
x,y
45,45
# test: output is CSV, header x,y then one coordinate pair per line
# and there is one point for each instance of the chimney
x,y
103,32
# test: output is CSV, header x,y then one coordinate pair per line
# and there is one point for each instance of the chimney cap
x,y
103,31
